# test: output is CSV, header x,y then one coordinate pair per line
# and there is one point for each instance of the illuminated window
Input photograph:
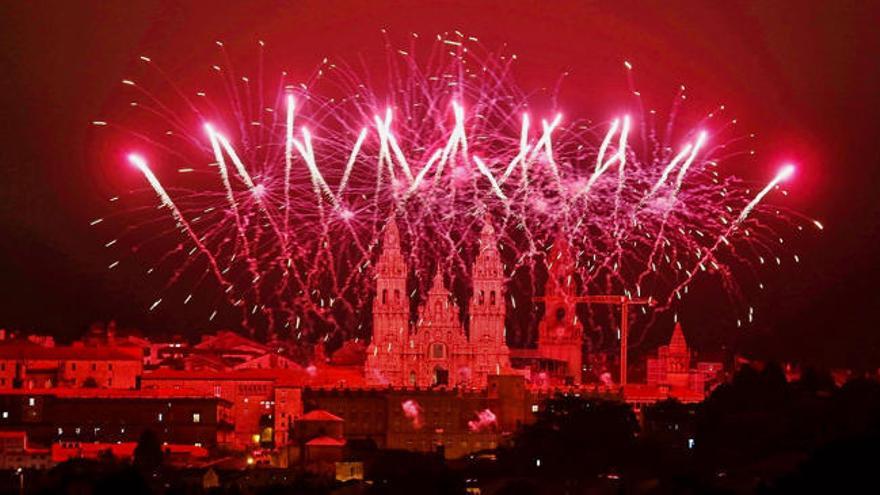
x,y
197,418
534,408
5,414
31,401
160,416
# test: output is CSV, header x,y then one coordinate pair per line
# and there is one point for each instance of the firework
x,y
486,419
296,182
412,410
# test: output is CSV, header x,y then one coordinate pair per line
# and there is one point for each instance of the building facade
x,y
560,336
671,367
111,416
436,351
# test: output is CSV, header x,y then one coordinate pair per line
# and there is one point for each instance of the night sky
x,y
804,78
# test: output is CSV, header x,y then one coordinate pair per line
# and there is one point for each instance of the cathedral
x,y
560,336
435,351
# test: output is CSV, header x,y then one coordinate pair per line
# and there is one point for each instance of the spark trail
x,y
288,189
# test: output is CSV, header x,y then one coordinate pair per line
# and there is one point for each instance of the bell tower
x,y
390,311
559,333
487,308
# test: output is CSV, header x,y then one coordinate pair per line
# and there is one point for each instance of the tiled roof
x,y
113,393
319,415
19,350
326,442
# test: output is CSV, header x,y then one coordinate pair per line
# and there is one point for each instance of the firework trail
x,y
289,185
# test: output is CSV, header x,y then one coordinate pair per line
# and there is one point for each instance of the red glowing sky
x,y
803,77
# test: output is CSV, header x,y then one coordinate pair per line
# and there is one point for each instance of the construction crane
x,y
624,302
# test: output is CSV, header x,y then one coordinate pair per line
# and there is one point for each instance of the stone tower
x,y
390,312
560,336
487,309
678,359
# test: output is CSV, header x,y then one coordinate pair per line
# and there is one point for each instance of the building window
x,y
492,298
94,366
482,297
197,418
384,296
110,366
73,366
5,414
534,408
160,416
31,401
438,351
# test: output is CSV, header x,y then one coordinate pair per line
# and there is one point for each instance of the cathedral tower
x,y
390,311
487,308
559,333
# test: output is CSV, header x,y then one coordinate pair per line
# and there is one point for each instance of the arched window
x,y
384,296
412,378
482,298
492,298
438,351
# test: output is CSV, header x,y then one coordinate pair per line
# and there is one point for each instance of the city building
x,y
27,365
116,416
559,353
435,350
671,367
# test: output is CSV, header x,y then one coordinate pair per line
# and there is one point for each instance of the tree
x,y
575,437
148,452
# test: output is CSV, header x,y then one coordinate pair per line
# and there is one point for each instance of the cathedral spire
x,y
677,341
437,285
391,239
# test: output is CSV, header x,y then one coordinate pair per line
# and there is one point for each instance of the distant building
x,y
452,422
26,365
436,351
671,367
261,404
110,416
560,336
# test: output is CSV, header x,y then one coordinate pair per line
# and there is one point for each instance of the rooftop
x,y
319,415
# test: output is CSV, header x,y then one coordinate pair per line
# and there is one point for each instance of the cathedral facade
x,y
435,351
